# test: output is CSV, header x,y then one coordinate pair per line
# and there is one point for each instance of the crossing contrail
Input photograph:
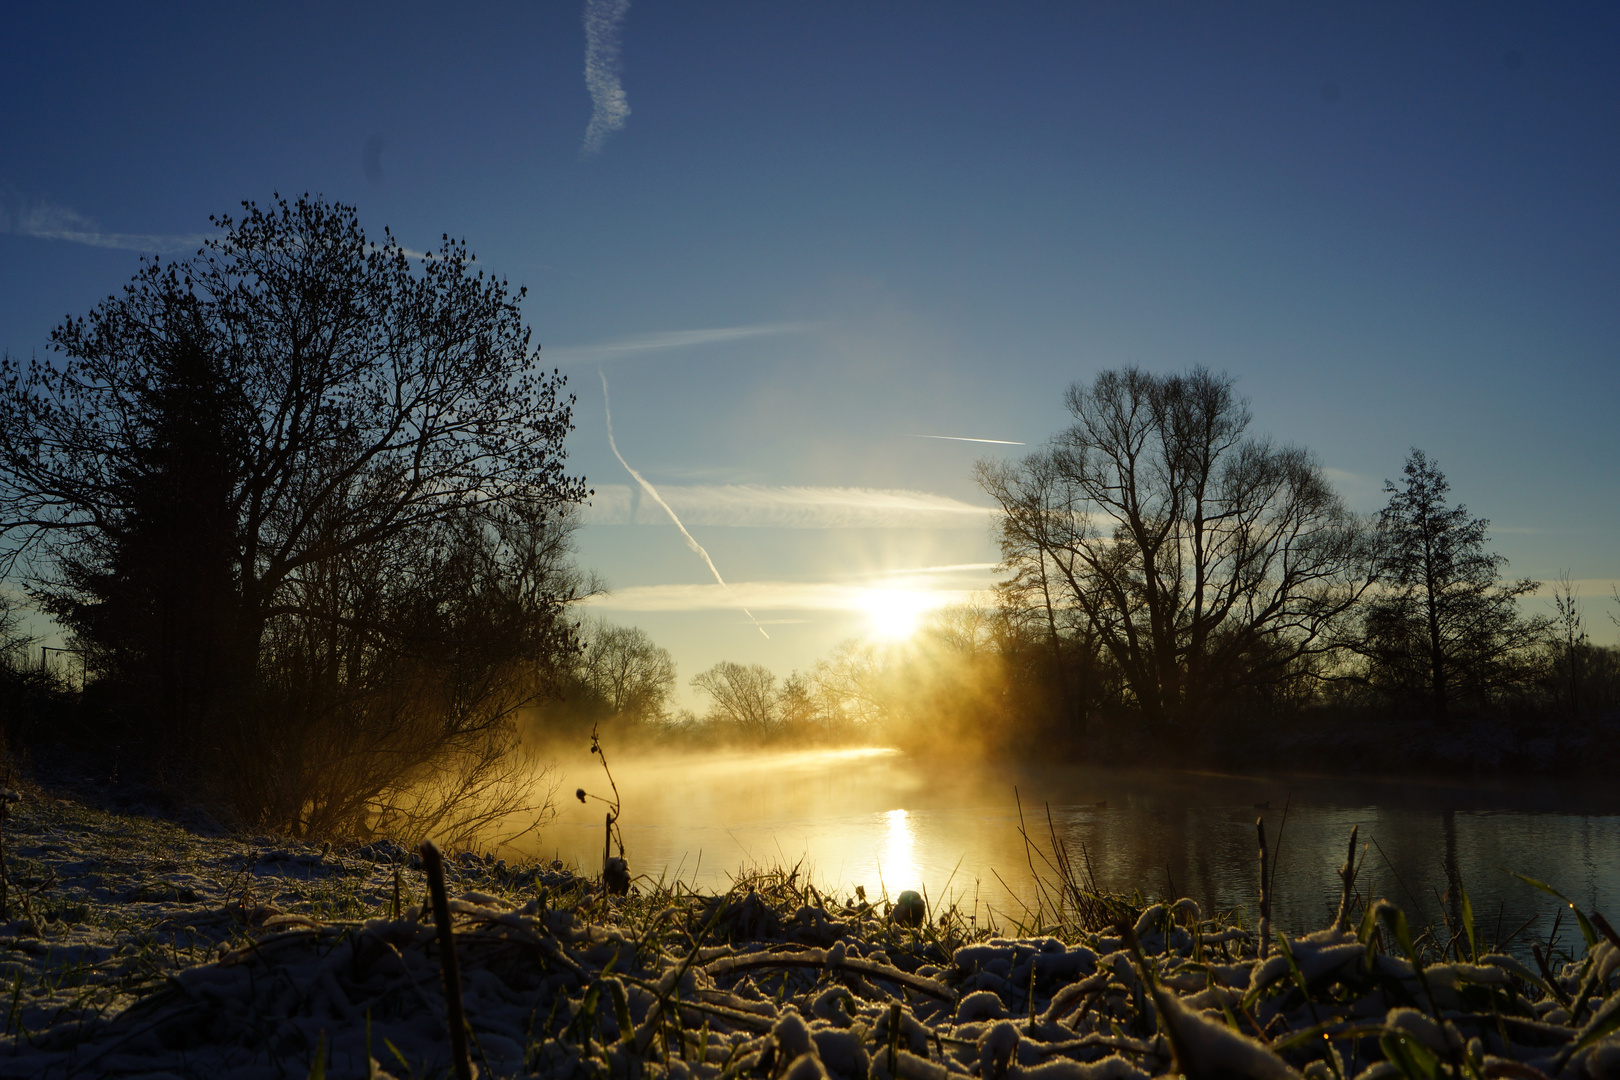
x,y
607,408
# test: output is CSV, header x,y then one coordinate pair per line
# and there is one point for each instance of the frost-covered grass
x,y
146,949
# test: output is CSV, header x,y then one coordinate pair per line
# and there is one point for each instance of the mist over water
x,y
879,819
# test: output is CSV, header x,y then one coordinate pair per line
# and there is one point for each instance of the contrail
x,y
47,221
963,438
665,340
610,106
607,408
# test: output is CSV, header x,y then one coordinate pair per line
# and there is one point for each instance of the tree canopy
x,y
1205,561
1446,630
263,466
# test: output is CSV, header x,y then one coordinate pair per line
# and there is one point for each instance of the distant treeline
x,y
1179,591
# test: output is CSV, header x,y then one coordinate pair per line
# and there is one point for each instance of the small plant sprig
x,y
615,871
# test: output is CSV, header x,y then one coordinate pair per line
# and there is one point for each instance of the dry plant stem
x,y
894,1038
1029,855
1347,874
1265,894
1276,850
613,812
5,880
1605,929
433,863
1086,908
1416,907
817,958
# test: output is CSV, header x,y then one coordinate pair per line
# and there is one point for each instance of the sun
x,y
894,613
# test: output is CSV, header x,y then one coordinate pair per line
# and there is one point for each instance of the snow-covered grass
x,y
136,947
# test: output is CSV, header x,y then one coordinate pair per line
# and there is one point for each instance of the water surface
x,y
877,819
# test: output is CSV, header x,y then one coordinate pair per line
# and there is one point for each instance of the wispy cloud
x,y
664,340
609,105
1599,589
652,491
784,507
758,595
964,438
930,571
47,221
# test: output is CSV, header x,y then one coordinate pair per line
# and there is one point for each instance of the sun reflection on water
x,y
834,814
896,862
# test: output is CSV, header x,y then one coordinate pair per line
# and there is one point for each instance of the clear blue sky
x,y
822,228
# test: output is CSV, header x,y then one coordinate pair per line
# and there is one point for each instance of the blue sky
x,y
822,229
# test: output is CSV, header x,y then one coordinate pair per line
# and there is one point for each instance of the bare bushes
x,y
392,694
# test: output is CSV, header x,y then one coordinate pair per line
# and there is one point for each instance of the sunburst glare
x,y
894,614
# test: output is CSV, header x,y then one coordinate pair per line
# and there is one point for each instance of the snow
x,y
139,948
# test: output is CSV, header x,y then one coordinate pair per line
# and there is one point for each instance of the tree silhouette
x,y
633,675
151,596
1206,562
210,456
744,695
1447,629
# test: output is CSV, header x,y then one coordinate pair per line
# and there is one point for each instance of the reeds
x,y
777,978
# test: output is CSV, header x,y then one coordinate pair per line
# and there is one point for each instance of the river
x,y
876,819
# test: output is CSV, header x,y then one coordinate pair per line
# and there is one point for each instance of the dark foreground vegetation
x,y
134,947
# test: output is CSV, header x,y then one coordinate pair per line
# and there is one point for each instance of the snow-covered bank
x,y
138,948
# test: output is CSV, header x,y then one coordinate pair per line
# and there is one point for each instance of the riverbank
x,y
138,947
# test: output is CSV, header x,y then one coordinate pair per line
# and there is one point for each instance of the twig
x,y
434,864
1029,856
817,958
1265,895
1415,905
1276,852
7,797
1347,874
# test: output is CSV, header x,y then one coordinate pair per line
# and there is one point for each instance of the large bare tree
x,y
1205,561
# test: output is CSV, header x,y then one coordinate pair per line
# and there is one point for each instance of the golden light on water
x,y
894,614
896,862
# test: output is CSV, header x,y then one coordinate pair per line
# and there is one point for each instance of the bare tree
x,y
857,685
796,705
1205,561
1571,643
397,710
633,675
743,695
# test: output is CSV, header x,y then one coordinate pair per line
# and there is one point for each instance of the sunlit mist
x,y
894,614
